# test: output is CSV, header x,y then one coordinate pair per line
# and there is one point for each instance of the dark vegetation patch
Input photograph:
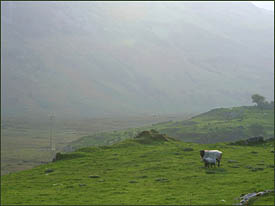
x,y
161,179
49,170
251,141
235,166
143,176
255,169
152,136
67,156
94,176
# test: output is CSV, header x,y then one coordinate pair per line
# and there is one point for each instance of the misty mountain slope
x,y
104,58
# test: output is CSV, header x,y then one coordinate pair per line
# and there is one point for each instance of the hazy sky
x,y
269,5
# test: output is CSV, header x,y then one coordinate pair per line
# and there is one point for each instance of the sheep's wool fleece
x,y
214,154
210,160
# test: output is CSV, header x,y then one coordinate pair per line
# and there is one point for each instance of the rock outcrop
x,y
152,136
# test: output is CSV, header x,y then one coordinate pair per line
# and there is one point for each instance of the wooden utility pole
x,y
52,146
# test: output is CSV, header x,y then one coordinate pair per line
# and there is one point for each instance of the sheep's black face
x,y
202,153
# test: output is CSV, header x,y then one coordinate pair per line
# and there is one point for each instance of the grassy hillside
x,y
149,169
222,125
217,125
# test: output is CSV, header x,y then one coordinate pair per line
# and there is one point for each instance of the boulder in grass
x,y
162,179
94,176
144,176
49,170
101,180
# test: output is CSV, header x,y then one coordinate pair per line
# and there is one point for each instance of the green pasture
x,y
144,173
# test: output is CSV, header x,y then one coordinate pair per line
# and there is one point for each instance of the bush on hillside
x,y
250,141
60,156
147,137
261,103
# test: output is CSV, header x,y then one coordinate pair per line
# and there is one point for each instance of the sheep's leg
x,y
218,162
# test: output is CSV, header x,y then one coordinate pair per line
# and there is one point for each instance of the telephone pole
x,y
52,146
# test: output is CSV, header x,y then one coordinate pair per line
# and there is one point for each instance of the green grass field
x,y
145,171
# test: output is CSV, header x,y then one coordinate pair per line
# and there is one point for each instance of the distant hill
x,y
108,58
217,125
222,125
144,173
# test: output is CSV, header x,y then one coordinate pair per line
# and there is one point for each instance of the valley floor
x,y
25,142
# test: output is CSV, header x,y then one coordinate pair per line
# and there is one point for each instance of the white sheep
x,y
209,161
214,154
